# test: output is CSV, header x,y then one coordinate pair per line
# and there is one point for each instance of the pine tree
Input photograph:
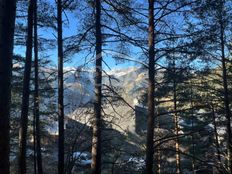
x,y
97,125
26,92
225,83
36,96
213,45
176,119
151,90
60,89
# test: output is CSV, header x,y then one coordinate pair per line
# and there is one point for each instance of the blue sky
x,y
77,59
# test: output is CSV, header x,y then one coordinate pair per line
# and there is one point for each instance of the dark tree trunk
x,y
26,92
157,149
216,135
192,129
176,121
7,22
151,88
221,167
226,94
227,108
60,90
34,145
96,142
36,94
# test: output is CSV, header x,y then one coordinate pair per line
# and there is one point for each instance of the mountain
x,y
130,83
79,85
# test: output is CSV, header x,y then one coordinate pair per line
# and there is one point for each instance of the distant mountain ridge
x,y
79,85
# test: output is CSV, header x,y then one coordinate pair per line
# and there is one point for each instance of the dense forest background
x,y
115,87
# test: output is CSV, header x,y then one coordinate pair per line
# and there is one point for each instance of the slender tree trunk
x,y
60,90
96,142
36,94
177,144
26,92
216,135
227,109
226,93
221,169
193,152
34,145
176,121
193,139
158,151
7,23
151,88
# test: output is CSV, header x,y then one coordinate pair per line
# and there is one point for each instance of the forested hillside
x,y
115,87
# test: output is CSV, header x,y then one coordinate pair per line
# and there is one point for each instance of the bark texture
x,y
151,88
36,95
176,122
96,142
26,92
60,90
226,95
7,23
